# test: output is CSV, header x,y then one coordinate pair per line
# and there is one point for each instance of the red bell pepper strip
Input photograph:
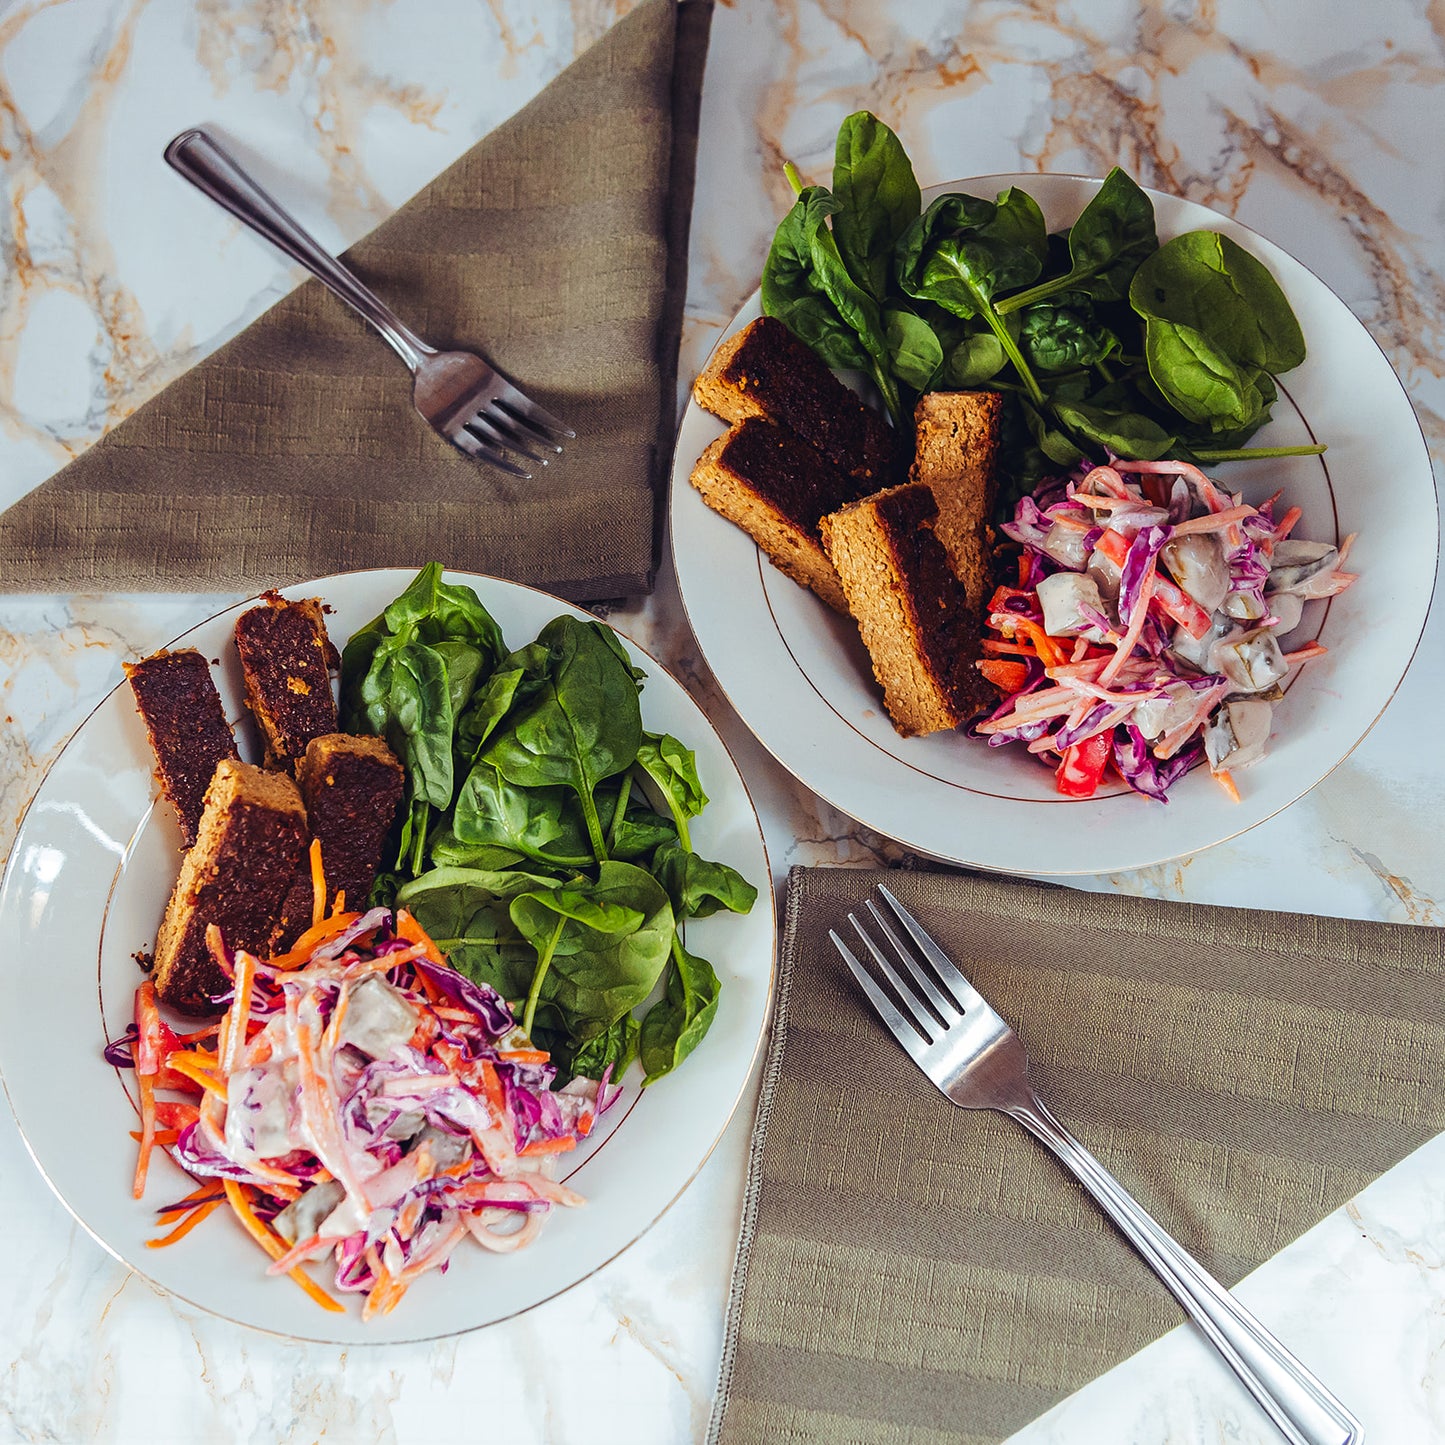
x,y
1082,766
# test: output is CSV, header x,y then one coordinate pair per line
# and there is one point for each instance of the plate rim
x,y
677,484
758,1044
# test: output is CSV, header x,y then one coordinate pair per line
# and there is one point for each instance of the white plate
x,y
800,677
85,887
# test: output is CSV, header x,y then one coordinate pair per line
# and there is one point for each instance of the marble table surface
x,y
1314,121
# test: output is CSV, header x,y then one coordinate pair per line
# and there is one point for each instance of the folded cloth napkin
x,y
909,1271
557,247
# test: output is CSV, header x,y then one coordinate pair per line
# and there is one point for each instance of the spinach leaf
x,y
673,768
446,850
1112,236
466,912
582,725
697,887
1125,433
807,287
1058,337
615,1048
542,917
877,195
439,611
977,358
1206,283
676,1023
595,974
963,250
914,350
543,823
1199,380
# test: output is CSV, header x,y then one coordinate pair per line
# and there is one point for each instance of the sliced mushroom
x,y
1066,546
1196,650
1252,662
1158,715
1062,597
1287,608
1295,563
1238,733
1244,606
1197,564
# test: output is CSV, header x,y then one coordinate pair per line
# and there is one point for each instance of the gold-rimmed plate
x,y
800,678
84,889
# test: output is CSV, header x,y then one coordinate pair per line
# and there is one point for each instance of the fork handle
x,y
213,170
1303,1409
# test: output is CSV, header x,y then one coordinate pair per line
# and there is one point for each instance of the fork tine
x,y
490,428
473,446
947,1008
899,1026
926,1022
517,415
967,995
534,415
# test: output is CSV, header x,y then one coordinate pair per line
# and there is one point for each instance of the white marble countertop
x,y
1316,123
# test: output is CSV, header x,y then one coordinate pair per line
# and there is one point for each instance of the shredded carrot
x,y
1020,649
1226,781
1049,651
408,928
200,1212
301,951
197,1072
318,884
524,1056
146,1083
272,1244
492,1089
1303,654
559,1145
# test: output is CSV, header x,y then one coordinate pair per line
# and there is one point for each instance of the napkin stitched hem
x,y
753,1190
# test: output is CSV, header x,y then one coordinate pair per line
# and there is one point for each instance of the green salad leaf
x,y
1103,340
545,843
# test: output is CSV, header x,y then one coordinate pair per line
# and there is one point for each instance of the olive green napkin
x,y
557,246
913,1272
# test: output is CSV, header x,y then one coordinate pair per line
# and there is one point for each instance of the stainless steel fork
x,y
973,1056
467,400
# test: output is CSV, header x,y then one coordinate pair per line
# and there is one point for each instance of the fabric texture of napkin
x,y
913,1272
557,247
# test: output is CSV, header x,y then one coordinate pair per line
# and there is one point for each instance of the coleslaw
x,y
1143,634
358,1099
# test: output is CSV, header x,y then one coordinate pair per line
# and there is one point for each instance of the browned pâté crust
x,y
251,839
910,608
181,709
777,488
956,456
765,371
286,658
352,788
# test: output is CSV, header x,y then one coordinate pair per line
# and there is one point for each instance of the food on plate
x,y
401,1075
1144,632
358,1100
777,488
911,610
765,371
1105,341
351,787
1018,365
287,660
546,833
250,841
187,728
956,454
